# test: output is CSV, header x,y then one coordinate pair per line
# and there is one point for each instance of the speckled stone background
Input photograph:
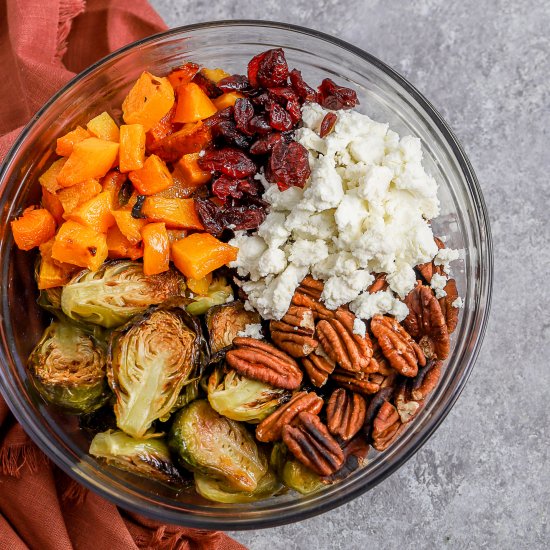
x,y
483,479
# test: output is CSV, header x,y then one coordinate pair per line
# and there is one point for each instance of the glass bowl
x,y
385,96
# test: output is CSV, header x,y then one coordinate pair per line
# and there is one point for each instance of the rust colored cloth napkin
x,y
43,43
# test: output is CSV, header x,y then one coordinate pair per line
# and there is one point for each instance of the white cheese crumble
x,y
458,303
364,210
359,327
252,330
438,283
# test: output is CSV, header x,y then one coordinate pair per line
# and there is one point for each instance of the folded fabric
x,y
43,44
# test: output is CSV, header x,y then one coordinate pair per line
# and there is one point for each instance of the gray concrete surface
x,y
483,480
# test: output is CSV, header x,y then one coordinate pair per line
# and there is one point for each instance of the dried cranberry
x,y
273,69
243,112
288,165
261,100
220,116
264,144
305,92
243,217
279,119
209,213
282,94
254,67
234,83
327,124
293,109
228,161
225,187
334,97
207,86
260,125
227,131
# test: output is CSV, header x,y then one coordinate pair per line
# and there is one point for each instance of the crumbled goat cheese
x,y
438,283
365,209
252,330
444,257
359,327
458,303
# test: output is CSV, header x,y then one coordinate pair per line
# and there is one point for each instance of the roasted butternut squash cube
x,y
148,101
51,202
79,245
175,213
183,74
215,75
52,273
104,127
66,143
91,158
73,196
193,104
192,173
120,247
94,213
156,249
190,139
48,179
152,178
129,226
226,100
199,286
112,184
201,253
132,147
35,227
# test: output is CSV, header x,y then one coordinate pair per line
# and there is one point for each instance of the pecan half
x,y
262,361
398,347
426,380
296,345
271,428
351,351
428,269
378,284
449,312
376,402
386,427
318,368
345,413
301,319
312,287
356,382
407,407
311,443
426,322
355,457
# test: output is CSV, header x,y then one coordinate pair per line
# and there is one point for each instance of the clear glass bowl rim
x,y
21,410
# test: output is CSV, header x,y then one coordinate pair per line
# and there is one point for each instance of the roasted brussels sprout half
x,y
218,491
67,368
116,292
148,457
150,360
218,293
241,398
300,478
211,444
225,322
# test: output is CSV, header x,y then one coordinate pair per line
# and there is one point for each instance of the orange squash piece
x,y
132,147
175,213
148,101
129,226
199,286
91,158
52,273
48,179
94,213
156,249
183,74
71,197
192,173
112,184
79,245
190,139
176,234
226,100
35,227
199,254
52,204
215,75
164,127
120,247
193,104
66,143
152,178
104,127
179,189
